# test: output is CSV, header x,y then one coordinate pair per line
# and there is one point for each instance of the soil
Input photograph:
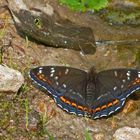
x,y
32,114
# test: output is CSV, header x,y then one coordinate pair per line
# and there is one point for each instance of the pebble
x,y
127,133
10,79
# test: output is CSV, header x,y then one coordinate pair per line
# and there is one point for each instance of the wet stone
x,y
49,27
10,80
127,133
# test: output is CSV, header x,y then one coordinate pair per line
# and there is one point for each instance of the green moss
x,y
87,135
129,53
123,16
137,56
84,5
42,130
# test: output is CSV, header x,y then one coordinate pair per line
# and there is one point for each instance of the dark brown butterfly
x,y
87,94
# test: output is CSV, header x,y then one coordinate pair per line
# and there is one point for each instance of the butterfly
x,y
90,94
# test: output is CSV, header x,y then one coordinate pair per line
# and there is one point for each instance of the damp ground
x,y
32,114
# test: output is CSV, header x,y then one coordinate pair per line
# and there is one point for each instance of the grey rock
x,y
40,21
10,80
99,136
127,133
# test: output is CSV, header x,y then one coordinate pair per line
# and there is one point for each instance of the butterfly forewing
x,y
62,81
118,81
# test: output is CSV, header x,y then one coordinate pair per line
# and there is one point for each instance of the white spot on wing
x,y
65,42
56,78
115,88
139,74
124,80
66,71
115,73
122,86
52,71
51,75
57,83
128,73
40,70
64,85
128,78
52,68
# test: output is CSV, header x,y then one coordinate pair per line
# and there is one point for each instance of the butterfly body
x,y
87,93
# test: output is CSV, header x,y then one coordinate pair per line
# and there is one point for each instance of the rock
x,y
125,3
55,25
99,136
40,21
127,133
10,80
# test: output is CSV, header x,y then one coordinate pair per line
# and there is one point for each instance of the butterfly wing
x,y
112,89
67,85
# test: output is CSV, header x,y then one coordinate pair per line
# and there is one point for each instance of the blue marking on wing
x,y
129,92
45,86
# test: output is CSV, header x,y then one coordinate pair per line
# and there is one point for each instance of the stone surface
x,y
61,125
40,21
74,30
127,133
10,80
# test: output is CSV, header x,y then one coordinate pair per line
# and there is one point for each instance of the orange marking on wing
x,y
93,111
80,107
40,77
38,74
97,109
115,102
136,81
74,104
109,105
129,86
63,99
44,80
90,111
85,109
103,107
49,81
68,102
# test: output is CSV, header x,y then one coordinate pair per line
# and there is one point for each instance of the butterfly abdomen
x,y
90,91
